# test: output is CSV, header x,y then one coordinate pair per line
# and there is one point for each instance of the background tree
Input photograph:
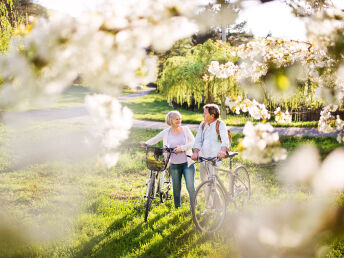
x,y
8,22
12,14
183,77
22,8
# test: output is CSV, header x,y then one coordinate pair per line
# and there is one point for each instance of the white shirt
x,y
207,139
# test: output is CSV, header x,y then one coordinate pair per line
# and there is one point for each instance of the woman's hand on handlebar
x,y
177,149
143,144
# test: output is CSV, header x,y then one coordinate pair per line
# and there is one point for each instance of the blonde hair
x,y
171,115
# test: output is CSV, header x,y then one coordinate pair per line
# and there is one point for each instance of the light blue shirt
x,y
207,141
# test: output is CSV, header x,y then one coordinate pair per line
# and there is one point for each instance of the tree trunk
x,y
223,33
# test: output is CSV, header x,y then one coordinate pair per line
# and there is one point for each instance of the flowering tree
x,y
109,50
294,229
274,68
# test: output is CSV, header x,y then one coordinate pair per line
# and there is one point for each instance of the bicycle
x,y
211,198
159,180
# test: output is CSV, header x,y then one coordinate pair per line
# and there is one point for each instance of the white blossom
x,y
112,122
304,167
301,166
330,178
260,144
340,137
108,49
222,71
256,110
327,122
282,117
294,224
110,159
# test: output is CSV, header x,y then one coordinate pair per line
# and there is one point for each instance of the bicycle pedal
x,y
147,197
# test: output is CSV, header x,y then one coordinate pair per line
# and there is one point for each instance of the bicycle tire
x,y
164,192
241,187
150,195
209,217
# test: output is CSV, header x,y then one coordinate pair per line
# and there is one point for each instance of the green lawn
x,y
81,209
155,107
73,96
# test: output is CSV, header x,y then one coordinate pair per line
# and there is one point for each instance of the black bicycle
x,y
211,198
159,180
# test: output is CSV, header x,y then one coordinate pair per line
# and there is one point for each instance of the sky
x,y
272,17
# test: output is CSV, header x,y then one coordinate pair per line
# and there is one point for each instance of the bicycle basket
x,y
156,158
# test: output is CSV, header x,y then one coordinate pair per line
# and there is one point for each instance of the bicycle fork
x,y
161,181
149,181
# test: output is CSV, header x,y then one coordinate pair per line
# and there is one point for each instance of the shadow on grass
x,y
119,245
166,233
179,240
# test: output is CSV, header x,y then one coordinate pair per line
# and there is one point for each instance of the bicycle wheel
x,y
165,186
241,187
209,207
150,194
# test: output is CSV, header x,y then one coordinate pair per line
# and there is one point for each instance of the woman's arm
x,y
157,138
190,140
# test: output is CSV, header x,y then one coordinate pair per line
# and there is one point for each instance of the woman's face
x,y
176,121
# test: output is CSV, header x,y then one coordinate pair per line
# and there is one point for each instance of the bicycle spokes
x,y
165,185
241,187
209,207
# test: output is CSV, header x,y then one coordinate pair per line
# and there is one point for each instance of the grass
x,y
73,96
79,208
155,107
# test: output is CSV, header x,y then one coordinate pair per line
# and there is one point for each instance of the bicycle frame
x,y
157,177
215,178
212,198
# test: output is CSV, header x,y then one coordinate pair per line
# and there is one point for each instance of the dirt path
x,y
63,113
291,131
79,115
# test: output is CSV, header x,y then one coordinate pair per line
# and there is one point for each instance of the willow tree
x,y
184,79
5,24
10,19
14,13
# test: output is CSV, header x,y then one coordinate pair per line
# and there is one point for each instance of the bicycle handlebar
x,y
228,155
169,150
201,159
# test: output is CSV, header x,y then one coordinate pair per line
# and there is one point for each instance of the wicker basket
x,y
156,158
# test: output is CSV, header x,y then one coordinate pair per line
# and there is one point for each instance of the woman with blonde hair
x,y
181,139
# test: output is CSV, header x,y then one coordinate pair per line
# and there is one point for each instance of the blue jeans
x,y
176,172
